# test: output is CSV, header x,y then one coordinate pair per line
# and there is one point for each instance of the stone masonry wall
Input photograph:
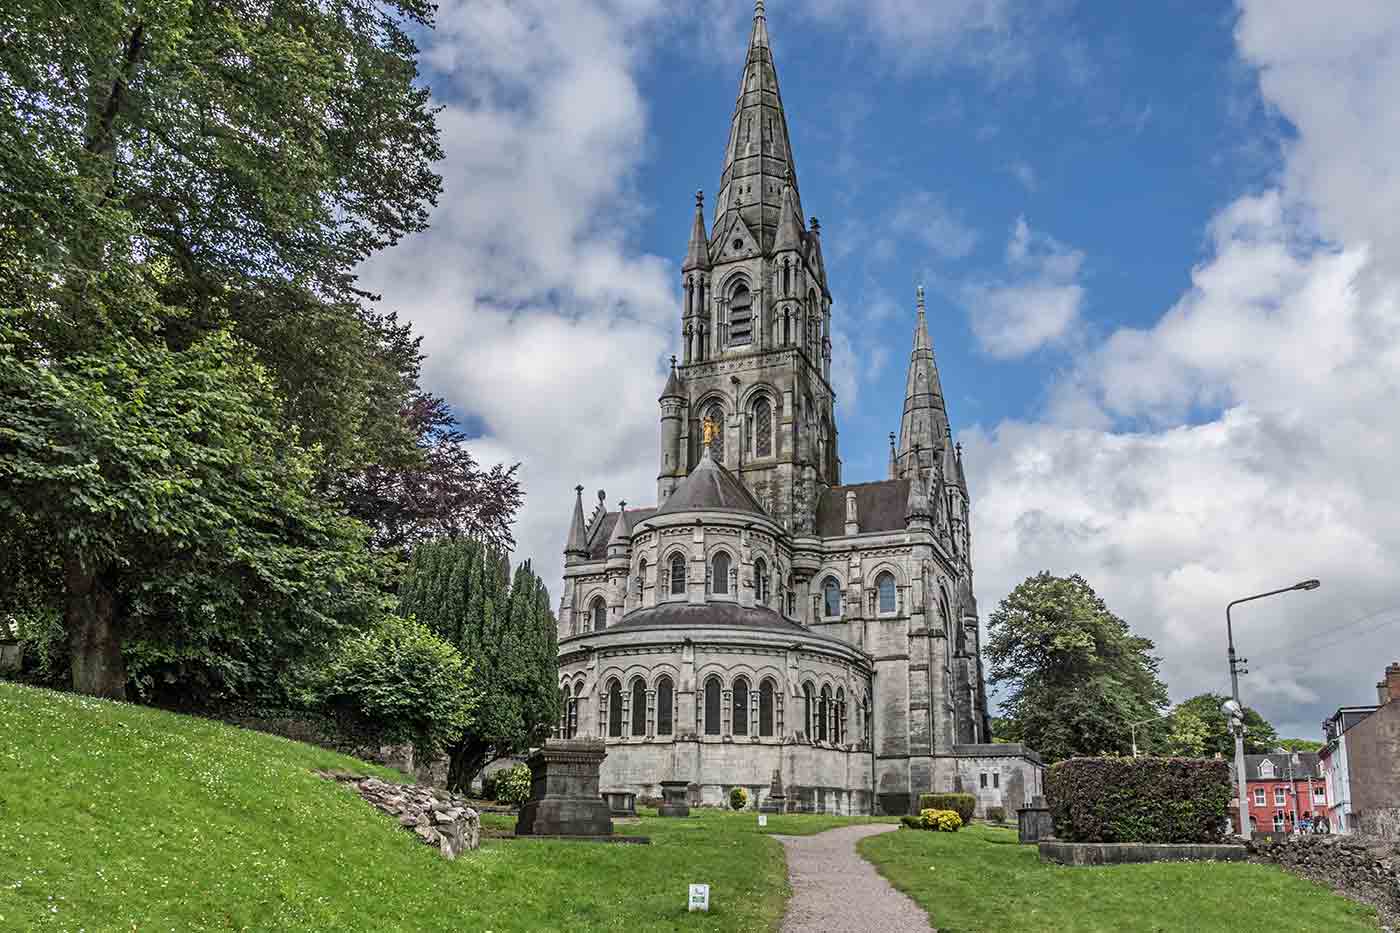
x,y
1367,870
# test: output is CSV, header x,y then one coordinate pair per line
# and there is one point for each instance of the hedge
x,y
1139,799
961,804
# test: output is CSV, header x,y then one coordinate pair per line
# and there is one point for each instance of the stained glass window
x,y
741,707
765,708
615,709
885,584
712,706
639,707
715,415
663,706
678,575
719,582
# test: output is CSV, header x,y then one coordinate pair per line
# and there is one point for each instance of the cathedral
x,y
766,625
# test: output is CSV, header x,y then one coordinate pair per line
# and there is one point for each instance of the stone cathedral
x,y
767,625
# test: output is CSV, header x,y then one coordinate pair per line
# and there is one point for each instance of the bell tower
x,y
756,319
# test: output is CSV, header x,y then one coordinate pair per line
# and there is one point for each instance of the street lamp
x,y
1233,708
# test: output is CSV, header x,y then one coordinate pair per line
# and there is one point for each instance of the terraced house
x,y
766,619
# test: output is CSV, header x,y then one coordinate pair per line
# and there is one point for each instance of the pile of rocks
x,y
1364,868
434,816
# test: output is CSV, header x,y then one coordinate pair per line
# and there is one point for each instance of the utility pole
x,y
1234,709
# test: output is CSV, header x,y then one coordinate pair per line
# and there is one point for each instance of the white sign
x,y
699,897
763,819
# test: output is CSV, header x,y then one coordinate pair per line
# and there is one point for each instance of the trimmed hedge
x,y
1139,799
738,798
996,814
961,804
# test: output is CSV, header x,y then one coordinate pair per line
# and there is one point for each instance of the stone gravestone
x,y
777,801
564,798
1034,822
674,793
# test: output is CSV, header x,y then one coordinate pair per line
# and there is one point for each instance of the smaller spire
x,y
789,222
578,533
962,478
894,467
921,341
622,528
673,383
697,254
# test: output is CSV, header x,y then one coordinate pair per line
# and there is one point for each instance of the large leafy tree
x,y
186,189
1259,735
1075,675
462,589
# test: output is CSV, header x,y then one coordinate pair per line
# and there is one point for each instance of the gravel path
x,y
834,890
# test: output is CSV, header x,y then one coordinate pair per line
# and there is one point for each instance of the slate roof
x,y
880,506
710,614
598,543
710,486
1307,766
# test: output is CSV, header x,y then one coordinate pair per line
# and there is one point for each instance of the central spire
x,y
758,159
925,421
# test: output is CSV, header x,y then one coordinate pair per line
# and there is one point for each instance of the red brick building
x,y
1283,788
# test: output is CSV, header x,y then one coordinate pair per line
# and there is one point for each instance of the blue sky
x,y
1161,244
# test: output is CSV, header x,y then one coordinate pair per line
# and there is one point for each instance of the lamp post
x,y
1233,708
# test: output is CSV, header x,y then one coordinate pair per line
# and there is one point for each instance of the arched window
x,y
614,709
760,581
741,316
564,712
663,706
809,724
840,716
639,707
715,415
823,711
787,278
791,596
762,428
884,584
572,727
712,706
600,614
741,707
765,708
831,591
678,574
642,576
719,573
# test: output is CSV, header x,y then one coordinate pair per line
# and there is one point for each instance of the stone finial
x,y
919,297
700,197
852,519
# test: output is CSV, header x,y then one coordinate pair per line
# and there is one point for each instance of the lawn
x,y
981,879
116,817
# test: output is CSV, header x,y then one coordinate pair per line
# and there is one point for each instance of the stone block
x,y
1128,853
564,798
1034,823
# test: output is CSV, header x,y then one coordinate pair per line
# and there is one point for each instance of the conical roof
x,y
758,156
697,254
790,233
578,531
710,486
622,528
925,418
673,384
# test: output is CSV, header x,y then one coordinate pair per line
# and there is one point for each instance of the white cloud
x,y
1038,300
1264,402
1024,173
925,217
541,317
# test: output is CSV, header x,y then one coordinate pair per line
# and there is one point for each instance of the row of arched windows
x,y
741,710
886,595
762,439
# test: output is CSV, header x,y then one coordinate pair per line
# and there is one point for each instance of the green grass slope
x,y
117,817
980,879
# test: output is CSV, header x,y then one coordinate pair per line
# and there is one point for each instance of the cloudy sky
x,y
1161,244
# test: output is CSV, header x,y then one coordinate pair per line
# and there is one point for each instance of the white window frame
x,y
1259,796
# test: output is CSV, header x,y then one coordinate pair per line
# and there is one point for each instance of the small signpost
x,y
763,819
699,898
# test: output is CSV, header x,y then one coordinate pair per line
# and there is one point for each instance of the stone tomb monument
x,y
1034,822
674,795
777,800
564,798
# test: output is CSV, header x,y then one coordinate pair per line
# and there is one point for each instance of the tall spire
x,y
758,156
925,418
577,545
697,255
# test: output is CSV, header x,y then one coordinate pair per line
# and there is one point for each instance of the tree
x,y
1259,736
1076,675
1300,745
189,188
183,522
461,588
1187,736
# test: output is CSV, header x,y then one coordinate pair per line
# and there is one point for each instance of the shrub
x,y
913,822
400,682
1139,799
738,798
945,821
512,785
996,814
961,804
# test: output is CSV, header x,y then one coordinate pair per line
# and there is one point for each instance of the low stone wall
x,y
434,816
1128,853
1365,869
